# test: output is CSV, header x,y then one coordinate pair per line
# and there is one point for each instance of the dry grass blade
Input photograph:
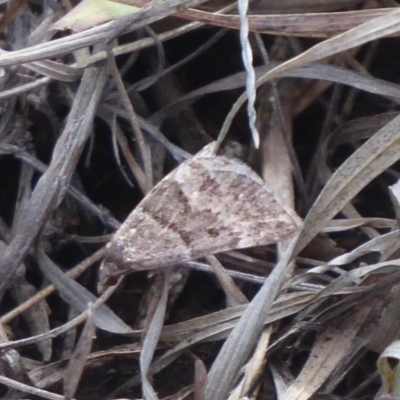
x,y
233,294
364,33
50,374
36,316
50,288
371,30
318,25
79,297
64,328
79,357
200,380
327,116
389,374
370,160
214,327
91,13
394,192
145,152
29,389
315,71
52,69
305,6
385,320
151,339
222,322
254,367
43,201
379,244
243,338
332,345
72,191
104,33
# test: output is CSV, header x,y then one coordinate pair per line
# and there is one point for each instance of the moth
x,y
208,204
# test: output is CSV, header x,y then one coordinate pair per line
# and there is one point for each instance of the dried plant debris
x,y
129,160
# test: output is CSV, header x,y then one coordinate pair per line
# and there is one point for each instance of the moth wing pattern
x,y
208,204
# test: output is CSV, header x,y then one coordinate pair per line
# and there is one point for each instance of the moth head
x,y
109,275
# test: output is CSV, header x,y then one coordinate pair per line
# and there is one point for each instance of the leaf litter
x,y
319,312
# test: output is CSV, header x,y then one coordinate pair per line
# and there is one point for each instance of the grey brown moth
x,y
208,204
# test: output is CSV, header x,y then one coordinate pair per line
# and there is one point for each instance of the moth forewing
x,y
208,204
